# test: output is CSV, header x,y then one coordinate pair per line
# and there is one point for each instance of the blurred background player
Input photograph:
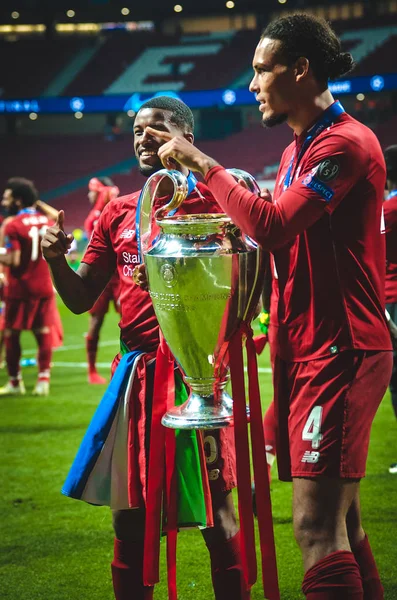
x,y
100,191
29,294
9,211
390,211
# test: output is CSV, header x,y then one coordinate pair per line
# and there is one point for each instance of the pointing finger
x,y
163,135
60,219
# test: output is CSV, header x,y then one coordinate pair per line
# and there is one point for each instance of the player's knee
x,y
42,330
225,521
95,325
311,528
129,525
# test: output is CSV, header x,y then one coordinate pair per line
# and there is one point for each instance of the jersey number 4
x,y
312,429
36,234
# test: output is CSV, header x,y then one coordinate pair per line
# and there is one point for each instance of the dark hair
x,y
23,189
106,181
391,163
182,116
313,38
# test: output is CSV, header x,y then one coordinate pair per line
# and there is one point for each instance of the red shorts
x,y
33,313
220,456
325,409
109,294
219,449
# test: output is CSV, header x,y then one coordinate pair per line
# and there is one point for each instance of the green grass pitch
x,y
54,548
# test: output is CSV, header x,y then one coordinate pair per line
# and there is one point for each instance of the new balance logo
x,y
310,457
127,234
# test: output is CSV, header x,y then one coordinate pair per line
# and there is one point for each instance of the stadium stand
x,y
145,61
115,53
122,62
381,60
182,64
226,63
22,64
61,165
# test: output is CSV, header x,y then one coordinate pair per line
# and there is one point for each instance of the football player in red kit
x,y
29,294
100,191
390,212
324,229
114,247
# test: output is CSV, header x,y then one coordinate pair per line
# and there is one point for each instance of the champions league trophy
x,y
205,279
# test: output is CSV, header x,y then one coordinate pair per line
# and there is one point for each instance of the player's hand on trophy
x,y
265,192
56,242
139,276
181,150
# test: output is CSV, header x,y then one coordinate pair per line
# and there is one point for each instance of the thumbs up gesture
x,y
56,242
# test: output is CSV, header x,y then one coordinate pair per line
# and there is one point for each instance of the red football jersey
x,y
32,277
390,211
113,246
325,233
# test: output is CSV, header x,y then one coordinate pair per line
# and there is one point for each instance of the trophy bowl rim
x,y
202,218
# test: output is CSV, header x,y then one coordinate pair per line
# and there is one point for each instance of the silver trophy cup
x,y
205,278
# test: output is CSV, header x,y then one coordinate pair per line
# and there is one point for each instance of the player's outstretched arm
x,y
78,290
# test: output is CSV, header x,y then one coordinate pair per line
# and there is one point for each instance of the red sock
x,y
227,571
44,341
13,355
373,589
127,571
335,577
92,348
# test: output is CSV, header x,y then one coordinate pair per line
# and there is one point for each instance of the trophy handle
x,y
252,184
146,201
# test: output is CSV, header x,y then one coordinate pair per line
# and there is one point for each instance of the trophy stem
x,y
207,407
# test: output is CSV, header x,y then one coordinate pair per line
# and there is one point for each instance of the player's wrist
x,y
52,260
206,163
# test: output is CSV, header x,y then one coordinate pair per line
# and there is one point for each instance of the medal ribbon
x,y
326,120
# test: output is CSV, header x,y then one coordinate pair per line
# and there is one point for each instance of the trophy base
x,y
201,412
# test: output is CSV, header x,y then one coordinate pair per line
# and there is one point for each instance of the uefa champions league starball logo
x,y
168,274
377,83
229,97
77,104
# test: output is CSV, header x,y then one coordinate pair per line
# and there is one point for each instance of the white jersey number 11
x,y
36,234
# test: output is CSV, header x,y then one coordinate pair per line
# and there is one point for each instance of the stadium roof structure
x,y
48,11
